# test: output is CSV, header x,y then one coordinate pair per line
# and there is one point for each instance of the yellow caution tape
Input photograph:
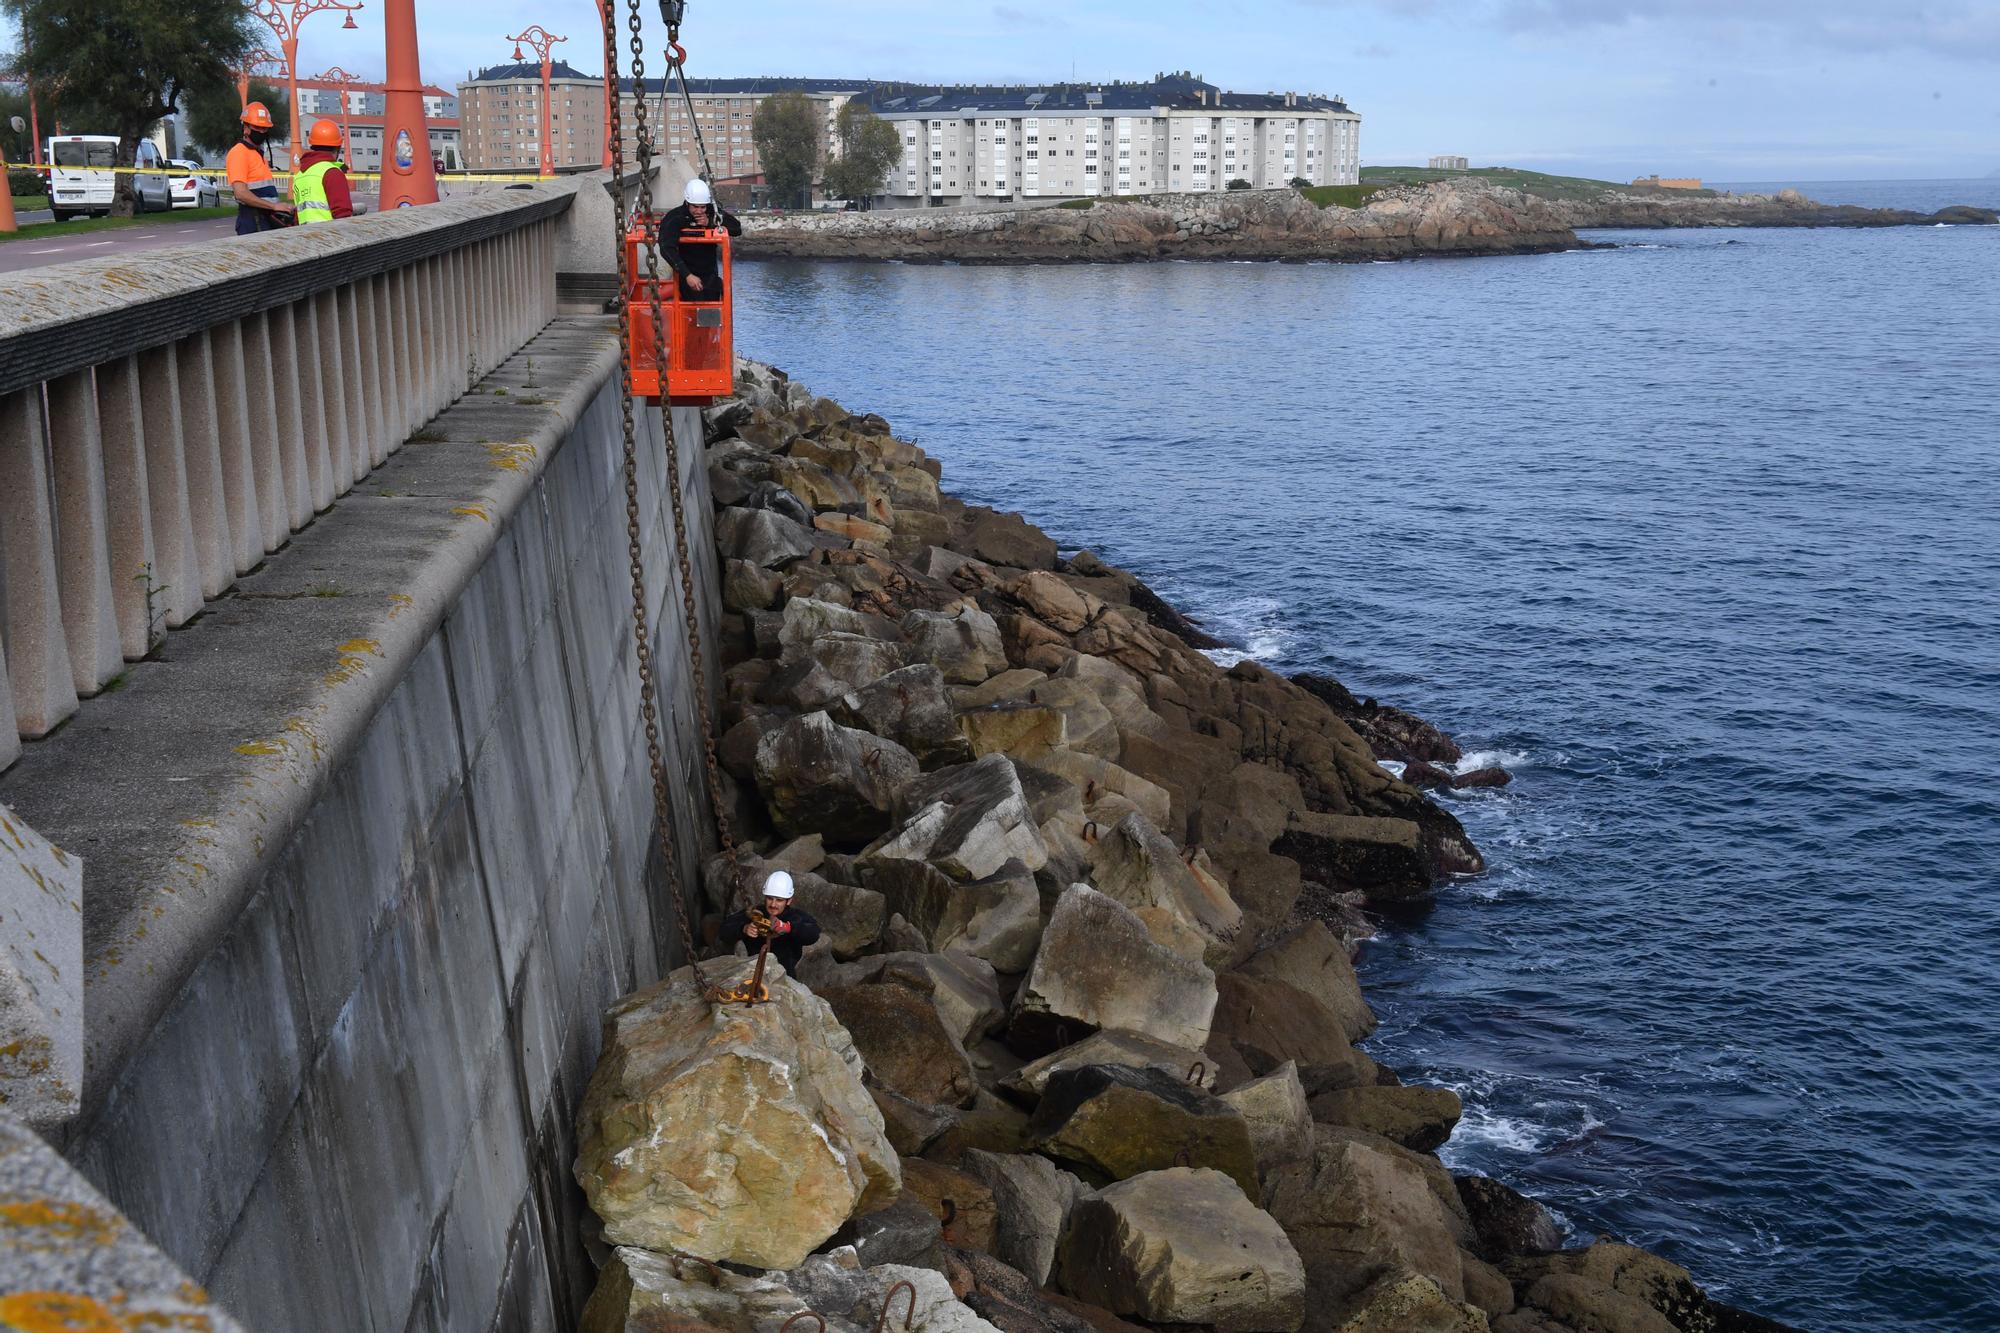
x,y
447,178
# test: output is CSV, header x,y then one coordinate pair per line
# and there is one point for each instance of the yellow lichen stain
x,y
63,1220
55,1312
260,749
400,602
512,457
199,823
354,655
473,511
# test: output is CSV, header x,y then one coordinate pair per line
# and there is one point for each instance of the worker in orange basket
x,y
248,170
698,266
319,187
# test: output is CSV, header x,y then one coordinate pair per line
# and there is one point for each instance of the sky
x,y
1743,90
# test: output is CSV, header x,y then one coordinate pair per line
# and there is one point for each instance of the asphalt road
x,y
34,251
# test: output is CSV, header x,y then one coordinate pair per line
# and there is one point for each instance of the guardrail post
x,y
296,500
43,688
127,504
239,471
10,736
201,447
375,367
351,390
339,433
316,434
267,460
83,555
176,573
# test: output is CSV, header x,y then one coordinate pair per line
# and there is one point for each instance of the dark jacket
x,y
786,948
699,260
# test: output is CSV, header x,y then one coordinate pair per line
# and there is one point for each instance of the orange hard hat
x,y
256,116
324,134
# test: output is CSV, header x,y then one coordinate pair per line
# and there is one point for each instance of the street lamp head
x,y
517,52
350,25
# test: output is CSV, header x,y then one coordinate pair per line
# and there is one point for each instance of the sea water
x,y
1700,537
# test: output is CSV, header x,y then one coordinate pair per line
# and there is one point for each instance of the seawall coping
x,y
180,786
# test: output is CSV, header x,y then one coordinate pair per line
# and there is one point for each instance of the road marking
x,y
56,251
92,245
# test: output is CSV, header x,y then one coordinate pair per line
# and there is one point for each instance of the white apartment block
x,y
1176,134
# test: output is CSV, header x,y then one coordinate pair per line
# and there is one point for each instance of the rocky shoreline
x,y
1445,219
1076,1051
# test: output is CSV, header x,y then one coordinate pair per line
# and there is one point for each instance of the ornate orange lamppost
x,y
283,20
543,41
349,84
408,174
247,70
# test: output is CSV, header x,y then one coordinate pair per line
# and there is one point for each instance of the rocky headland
x,y
1076,1051
1456,218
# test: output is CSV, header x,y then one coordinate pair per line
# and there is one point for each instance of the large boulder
x,y
966,647
998,918
1135,863
1269,1022
962,1204
1507,1223
909,706
1113,1046
1096,776
1311,959
1099,968
903,1039
1183,1246
970,821
853,1298
1280,1122
738,1133
1355,1212
761,537
1032,1199
1014,728
819,777
639,1291
1383,858
1013,1302
1621,1289
808,618
1114,1122
1400,1301
1005,539
850,918
1420,1118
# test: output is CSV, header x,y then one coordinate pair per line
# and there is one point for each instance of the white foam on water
x,y
1395,768
1478,759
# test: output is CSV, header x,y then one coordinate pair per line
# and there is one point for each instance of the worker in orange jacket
x,y
248,170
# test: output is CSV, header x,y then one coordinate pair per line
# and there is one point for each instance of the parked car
x,y
194,190
79,184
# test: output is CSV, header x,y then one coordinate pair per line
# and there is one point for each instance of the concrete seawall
x,y
367,850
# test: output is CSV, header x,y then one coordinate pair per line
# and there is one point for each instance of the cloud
x,y
1024,18
1966,29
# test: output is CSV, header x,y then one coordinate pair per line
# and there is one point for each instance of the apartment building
x,y
500,117
1175,133
1448,162
364,115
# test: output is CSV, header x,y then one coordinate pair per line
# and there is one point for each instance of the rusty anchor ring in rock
x,y
786,1327
1197,1074
950,1217
882,1320
1090,832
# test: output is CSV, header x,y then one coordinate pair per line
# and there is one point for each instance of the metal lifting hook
x,y
786,1327
882,1321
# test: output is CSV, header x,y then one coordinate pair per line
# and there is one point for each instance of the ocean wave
x,y
1511,760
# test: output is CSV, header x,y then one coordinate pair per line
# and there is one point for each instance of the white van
x,y
78,181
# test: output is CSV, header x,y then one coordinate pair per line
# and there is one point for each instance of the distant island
x,y
1393,213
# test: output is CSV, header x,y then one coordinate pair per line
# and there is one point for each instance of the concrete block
x,y
41,976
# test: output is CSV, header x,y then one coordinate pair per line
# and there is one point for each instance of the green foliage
x,y
786,131
1532,182
41,231
1301,183
213,116
25,184
1077,203
120,66
1238,184
869,147
1340,196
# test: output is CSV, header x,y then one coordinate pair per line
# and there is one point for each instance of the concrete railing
x,y
168,419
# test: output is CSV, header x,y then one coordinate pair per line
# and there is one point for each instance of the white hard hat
x,y
698,192
778,884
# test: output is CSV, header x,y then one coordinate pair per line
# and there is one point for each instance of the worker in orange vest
x,y
248,170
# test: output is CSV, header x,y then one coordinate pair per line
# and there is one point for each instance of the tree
x,y
869,146
1238,184
214,116
1301,183
121,65
786,130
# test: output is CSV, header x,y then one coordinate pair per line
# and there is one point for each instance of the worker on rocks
x,y
696,264
248,171
791,929
319,188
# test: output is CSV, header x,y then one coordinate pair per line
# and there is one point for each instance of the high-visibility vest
x,y
309,193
